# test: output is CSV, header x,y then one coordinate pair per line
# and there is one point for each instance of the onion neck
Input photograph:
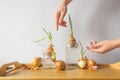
x,y
81,57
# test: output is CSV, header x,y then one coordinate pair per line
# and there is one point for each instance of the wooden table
x,y
104,72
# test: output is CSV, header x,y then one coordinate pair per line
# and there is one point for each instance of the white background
x,y
21,23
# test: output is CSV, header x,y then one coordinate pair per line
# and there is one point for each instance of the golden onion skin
x,y
82,64
36,61
91,62
60,65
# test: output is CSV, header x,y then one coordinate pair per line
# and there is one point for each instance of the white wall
x,y
21,23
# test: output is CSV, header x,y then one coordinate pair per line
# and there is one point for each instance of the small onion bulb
x,y
60,65
82,64
36,62
91,63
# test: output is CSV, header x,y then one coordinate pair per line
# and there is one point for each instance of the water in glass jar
x,y
72,55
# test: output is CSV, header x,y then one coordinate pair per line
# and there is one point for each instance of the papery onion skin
x,y
60,65
49,50
82,64
91,62
36,61
72,39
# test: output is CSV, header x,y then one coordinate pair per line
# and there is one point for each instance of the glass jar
x,y
72,55
48,60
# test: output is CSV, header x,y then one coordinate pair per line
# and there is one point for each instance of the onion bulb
x,y
49,51
36,62
82,64
72,40
91,63
60,65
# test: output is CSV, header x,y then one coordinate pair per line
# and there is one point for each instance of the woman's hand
x,y
60,13
103,46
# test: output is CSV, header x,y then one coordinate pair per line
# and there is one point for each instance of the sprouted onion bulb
x,y
49,50
71,40
82,64
60,65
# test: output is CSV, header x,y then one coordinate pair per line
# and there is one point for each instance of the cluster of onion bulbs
x,y
87,64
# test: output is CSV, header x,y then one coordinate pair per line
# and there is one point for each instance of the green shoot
x,y
49,36
82,50
45,31
70,22
40,40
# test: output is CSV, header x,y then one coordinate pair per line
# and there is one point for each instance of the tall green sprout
x,y
70,22
49,36
82,51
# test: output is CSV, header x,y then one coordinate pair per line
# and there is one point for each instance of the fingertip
x,y
87,47
57,16
56,28
95,42
62,25
64,22
91,42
